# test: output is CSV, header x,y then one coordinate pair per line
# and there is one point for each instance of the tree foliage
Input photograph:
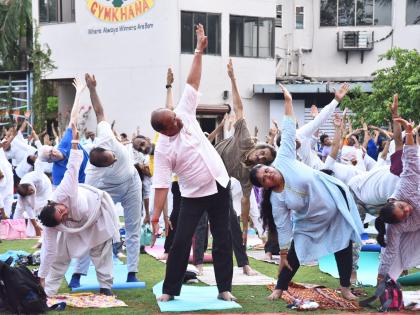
x,y
403,77
16,34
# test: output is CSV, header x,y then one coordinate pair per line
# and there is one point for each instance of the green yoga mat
x,y
193,298
367,272
411,279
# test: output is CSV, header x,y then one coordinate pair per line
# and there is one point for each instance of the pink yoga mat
x,y
158,250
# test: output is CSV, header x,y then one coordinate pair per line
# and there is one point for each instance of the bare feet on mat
x,y
346,293
164,256
200,270
165,298
248,270
226,296
275,295
268,256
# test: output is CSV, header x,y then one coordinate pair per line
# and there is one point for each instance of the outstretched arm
x,y
169,95
396,127
218,129
238,107
96,102
79,86
311,127
195,73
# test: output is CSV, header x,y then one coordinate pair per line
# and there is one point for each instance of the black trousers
x,y
343,258
217,207
200,239
176,201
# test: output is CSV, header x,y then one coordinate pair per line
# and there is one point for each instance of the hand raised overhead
x,y
90,81
202,40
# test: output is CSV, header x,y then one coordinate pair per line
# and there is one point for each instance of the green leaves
x,y
403,77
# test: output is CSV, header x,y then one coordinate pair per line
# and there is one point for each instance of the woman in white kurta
x,y
325,217
86,218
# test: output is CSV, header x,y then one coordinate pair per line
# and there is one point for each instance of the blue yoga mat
x,y
371,248
89,282
194,298
411,279
368,267
13,253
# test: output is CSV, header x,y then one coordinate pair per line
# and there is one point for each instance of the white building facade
x,y
129,45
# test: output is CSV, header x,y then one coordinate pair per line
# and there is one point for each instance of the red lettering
x,y
107,14
138,7
114,15
123,13
145,6
93,7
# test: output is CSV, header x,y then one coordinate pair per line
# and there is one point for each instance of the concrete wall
x,y
324,61
130,66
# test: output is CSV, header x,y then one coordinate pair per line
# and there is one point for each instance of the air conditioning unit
x,y
355,39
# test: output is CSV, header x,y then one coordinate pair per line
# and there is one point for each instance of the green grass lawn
x,y
252,298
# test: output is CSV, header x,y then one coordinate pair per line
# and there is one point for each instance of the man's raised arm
x,y
96,103
238,108
195,73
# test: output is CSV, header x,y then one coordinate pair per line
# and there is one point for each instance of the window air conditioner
x,y
355,39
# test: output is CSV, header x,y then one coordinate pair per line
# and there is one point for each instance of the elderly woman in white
x,y
88,223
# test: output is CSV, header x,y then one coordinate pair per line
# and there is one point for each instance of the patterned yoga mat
x,y
327,298
86,300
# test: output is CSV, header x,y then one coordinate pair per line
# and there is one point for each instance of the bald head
x,y
166,122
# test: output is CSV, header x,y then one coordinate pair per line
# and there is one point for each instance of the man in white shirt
x,y
6,185
183,148
111,169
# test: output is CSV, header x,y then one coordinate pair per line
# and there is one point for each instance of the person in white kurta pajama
x,y
80,220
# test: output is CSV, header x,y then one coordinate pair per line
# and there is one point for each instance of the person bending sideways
x,y
402,213
183,148
324,214
79,220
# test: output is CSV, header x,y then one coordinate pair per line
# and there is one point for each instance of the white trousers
x,y
102,259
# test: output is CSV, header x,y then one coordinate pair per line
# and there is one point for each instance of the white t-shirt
x,y
118,172
375,186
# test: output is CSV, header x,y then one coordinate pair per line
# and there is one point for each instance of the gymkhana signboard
x,y
118,12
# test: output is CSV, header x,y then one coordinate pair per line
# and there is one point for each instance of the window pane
x,y
383,12
187,32
236,36
43,14
413,12
265,38
278,15
346,12
250,36
67,8
213,33
52,11
299,18
328,12
364,12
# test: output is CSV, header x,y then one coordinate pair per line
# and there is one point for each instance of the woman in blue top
x,y
324,214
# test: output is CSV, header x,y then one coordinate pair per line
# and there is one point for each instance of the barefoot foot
x,y
165,298
226,296
346,293
249,271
